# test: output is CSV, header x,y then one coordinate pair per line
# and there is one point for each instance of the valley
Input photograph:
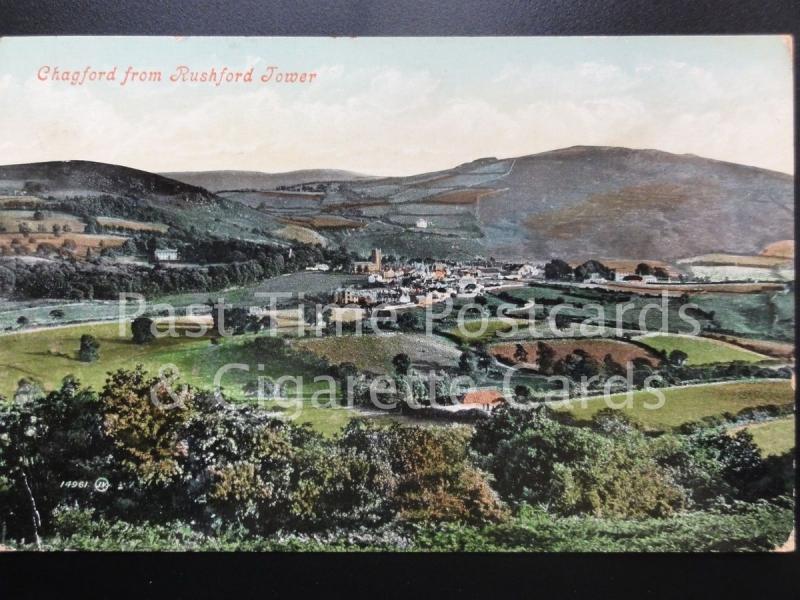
x,y
576,287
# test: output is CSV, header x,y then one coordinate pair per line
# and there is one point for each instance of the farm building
x,y
319,267
526,271
486,400
166,254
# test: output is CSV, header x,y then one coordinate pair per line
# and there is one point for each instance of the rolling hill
x,y
578,202
101,189
80,177
216,181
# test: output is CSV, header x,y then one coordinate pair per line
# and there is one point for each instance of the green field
x,y
686,404
701,351
774,437
305,282
49,355
375,352
37,312
763,315
470,331
767,315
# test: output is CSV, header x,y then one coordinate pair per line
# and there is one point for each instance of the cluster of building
x,y
424,283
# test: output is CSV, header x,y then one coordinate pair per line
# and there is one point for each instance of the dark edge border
x,y
146,575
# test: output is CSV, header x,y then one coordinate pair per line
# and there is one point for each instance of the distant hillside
x,y
636,203
575,202
256,180
80,177
579,202
100,189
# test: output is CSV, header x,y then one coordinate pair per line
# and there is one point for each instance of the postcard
x,y
468,294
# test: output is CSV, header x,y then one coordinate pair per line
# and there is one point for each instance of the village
x,y
395,285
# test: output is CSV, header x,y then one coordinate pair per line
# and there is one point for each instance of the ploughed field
x,y
77,243
622,352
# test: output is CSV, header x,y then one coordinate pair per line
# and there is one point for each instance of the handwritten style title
x,y
181,74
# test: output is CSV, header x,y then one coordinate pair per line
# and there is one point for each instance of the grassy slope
x,y
471,330
774,437
50,355
701,351
375,353
684,404
766,315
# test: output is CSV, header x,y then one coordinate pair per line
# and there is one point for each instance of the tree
x,y
142,330
562,321
661,273
557,269
612,367
151,246
592,267
545,356
401,363
344,373
38,215
571,470
522,393
90,349
433,481
485,359
236,320
520,353
22,321
711,463
144,419
27,390
643,269
45,441
678,358
56,313
56,229
577,365
467,362
8,280
406,321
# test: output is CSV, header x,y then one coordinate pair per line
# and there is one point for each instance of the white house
x,y
319,267
596,278
166,254
422,223
527,271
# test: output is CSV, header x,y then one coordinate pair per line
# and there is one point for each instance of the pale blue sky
x,y
399,105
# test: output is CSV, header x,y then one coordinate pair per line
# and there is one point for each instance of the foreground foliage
x,y
738,528
148,463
